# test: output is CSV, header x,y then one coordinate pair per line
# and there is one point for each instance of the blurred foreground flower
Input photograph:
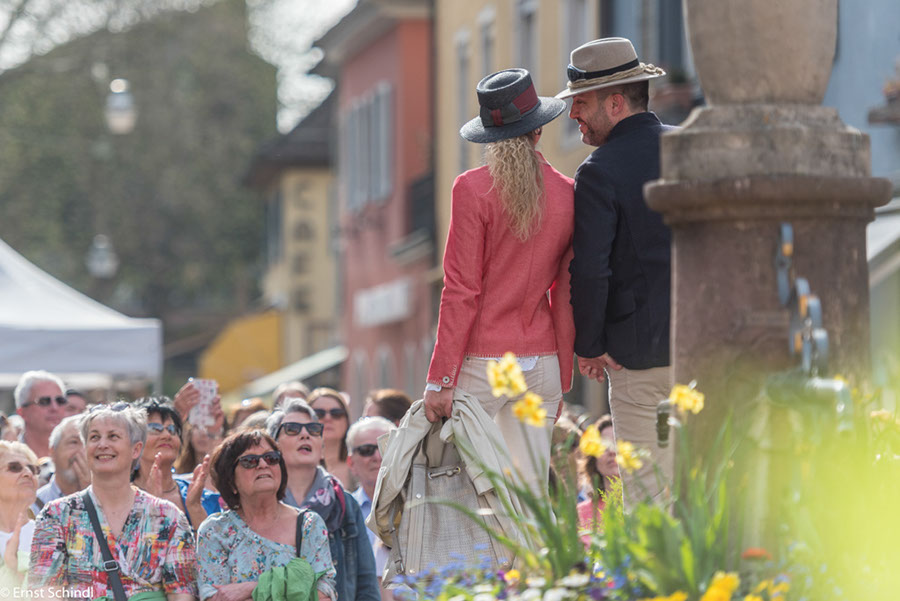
x,y
753,553
676,596
687,398
591,444
505,376
528,410
628,457
721,587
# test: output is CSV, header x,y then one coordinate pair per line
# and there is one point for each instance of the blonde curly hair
x,y
515,167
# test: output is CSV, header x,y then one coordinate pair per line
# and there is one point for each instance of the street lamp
x,y
101,259
120,112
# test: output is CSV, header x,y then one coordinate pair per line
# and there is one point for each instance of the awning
x,y
301,370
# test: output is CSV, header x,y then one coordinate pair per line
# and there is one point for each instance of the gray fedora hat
x,y
510,107
604,63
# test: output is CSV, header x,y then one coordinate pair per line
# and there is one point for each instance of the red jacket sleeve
x,y
563,321
463,272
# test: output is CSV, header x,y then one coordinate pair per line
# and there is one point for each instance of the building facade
x,y
379,55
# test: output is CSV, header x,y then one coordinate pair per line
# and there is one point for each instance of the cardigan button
x,y
445,379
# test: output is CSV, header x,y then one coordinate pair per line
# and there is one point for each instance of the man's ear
x,y
617,104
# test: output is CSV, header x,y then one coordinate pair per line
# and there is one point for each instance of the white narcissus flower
x,y
575,580
532,594
484,597
557,594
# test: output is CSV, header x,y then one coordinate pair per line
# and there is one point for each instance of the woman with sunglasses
x,y
149,539
299,434
155,474
259,533
331,409
18,488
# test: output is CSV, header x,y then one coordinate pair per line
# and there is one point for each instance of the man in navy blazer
x,y
621,266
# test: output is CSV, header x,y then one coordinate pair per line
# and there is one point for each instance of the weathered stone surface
x,y
762,51
764,139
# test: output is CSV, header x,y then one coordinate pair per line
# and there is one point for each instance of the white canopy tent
x,y
45,324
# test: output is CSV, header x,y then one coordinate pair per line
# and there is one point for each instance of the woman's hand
x,y
82,473
438,404
11,553
238,591
218,416
193,499
185,399
153,482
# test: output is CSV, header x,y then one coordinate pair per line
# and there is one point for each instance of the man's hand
x,y
594,367
438,404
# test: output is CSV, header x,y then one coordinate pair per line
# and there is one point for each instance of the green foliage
x,y
169,193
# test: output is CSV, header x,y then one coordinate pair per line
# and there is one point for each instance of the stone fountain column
x,y
763,152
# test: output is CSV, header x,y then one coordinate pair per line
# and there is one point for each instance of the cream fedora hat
x,y
604,63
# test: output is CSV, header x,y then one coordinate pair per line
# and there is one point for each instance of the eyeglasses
x,y
365,450
249,462
294,428
335,413
15,467
45,401
158,428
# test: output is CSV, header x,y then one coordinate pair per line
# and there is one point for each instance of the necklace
x,y
165,492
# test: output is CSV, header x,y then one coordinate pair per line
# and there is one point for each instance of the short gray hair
x,y
27,382
292,405
57,433
365,424
134,420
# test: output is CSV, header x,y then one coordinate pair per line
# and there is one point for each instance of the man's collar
x,y
631,123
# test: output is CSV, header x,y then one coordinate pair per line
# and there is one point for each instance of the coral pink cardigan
x,y
501,294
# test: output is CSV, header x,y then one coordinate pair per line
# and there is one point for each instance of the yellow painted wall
x,y
243,351
308,265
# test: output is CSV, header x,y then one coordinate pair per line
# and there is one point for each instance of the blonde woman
x,y
509,245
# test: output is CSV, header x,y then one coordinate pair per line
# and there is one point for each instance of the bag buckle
x,y
450,472
111,566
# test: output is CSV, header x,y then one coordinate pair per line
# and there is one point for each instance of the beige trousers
x,y
633,397
529,446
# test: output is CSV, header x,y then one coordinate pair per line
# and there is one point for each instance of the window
x,y
575,33
368,142
527,38
274,239
486,35
463,91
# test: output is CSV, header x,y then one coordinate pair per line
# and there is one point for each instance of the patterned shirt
x,y
155,550
229,551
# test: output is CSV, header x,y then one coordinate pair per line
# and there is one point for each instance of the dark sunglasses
x,y
335,413
45,401
16,467
365,450
158,429
294,428
248,462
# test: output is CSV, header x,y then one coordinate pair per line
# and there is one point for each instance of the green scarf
x,y
143,596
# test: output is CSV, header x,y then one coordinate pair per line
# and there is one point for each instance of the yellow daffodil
x,y
512,577
505,377
753,598
686,398
528,410
762,586
779,589
677,596
721,587
627,457
591,444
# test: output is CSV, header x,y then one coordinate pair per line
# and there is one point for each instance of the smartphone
x,y
201,414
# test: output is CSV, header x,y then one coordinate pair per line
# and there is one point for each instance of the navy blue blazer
x,y
621,272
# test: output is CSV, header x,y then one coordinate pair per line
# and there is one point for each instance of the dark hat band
x,y
575,74
520,106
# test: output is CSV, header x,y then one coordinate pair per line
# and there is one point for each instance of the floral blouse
x,y
155,550
229,551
